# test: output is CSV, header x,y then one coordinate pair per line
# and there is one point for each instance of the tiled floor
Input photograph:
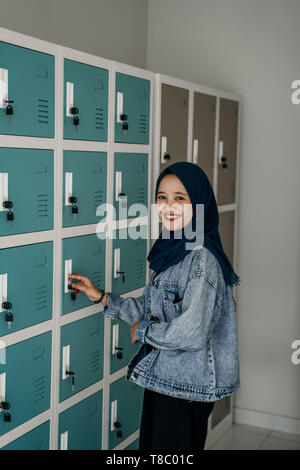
x,y
244,437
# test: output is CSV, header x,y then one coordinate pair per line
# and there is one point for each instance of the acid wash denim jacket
x,y
188,331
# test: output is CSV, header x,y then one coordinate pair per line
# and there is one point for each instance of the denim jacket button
x,y
135,375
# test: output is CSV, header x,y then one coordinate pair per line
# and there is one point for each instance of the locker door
x,y
228,136
85,176
86,99
25,380
84,255
226,230
27,85
21,169
130,184
122,349
132,110
26,278
204,132
174,124
129,265
37,439
134,445
126,402
81,354
80,427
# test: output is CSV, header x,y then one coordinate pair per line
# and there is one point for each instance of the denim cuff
x,y
113,308
141,330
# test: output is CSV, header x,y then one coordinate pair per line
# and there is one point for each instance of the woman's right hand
x,y
85,285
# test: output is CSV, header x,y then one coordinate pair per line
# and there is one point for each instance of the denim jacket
x,y
188,331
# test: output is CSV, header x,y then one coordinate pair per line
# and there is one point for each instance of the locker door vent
x,y
98,198
140,268
39,389
143,124
42,205
94,439
43,111
41,298
99,118
140,195
97,278
95,361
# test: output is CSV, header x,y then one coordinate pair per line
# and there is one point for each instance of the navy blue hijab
x,y
166,252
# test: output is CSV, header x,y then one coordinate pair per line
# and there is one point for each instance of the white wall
x,y
252,47
114,29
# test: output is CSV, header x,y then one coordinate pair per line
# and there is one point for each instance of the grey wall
x,y
252,47
114,29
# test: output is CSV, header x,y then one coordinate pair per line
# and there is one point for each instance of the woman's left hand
x,y
133,331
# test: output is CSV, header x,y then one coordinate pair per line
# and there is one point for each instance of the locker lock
x,y
7,204
123,277
74,110
4,405
119,354
76,121
123,117
117,424
125,126
72,199
9,109
224,162
7,305
119,434
167,157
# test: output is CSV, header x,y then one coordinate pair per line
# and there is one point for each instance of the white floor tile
x,y
274,443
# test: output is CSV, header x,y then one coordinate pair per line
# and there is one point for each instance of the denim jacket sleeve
x,y
127,309
192,328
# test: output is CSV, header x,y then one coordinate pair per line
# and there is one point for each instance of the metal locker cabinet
x,y
81,353
86,98
174,124
228,139
130,184
134,445
26,279
204,125
226,230
132,109
128,261
84,255
37,439
80,427
21,169
27,84
121,339
126,403
25,380
84,177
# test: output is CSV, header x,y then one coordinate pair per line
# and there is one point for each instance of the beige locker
x,y
204,124
174,124
228,137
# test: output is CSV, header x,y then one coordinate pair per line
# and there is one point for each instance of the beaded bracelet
x,y
101,297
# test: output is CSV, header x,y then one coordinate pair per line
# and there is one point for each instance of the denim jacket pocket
x,y
172,305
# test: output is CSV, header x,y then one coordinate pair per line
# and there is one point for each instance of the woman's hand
x,y
133,331
85,285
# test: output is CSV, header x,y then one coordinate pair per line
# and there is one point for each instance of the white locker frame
x,y
58,145
159,79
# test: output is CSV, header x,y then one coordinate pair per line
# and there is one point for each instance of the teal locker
x,y
26,92
130,185
132,110
84,178
84,255
126,403
80,427
26,279
85,101
25,381
26,190
37,439
134,445
122,349
81,358
129,259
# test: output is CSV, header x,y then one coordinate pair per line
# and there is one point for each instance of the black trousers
x,y
170,423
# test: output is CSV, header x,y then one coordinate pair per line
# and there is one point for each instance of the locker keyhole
x,y
7,204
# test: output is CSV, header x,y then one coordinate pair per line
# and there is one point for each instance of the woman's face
x,y
173,203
